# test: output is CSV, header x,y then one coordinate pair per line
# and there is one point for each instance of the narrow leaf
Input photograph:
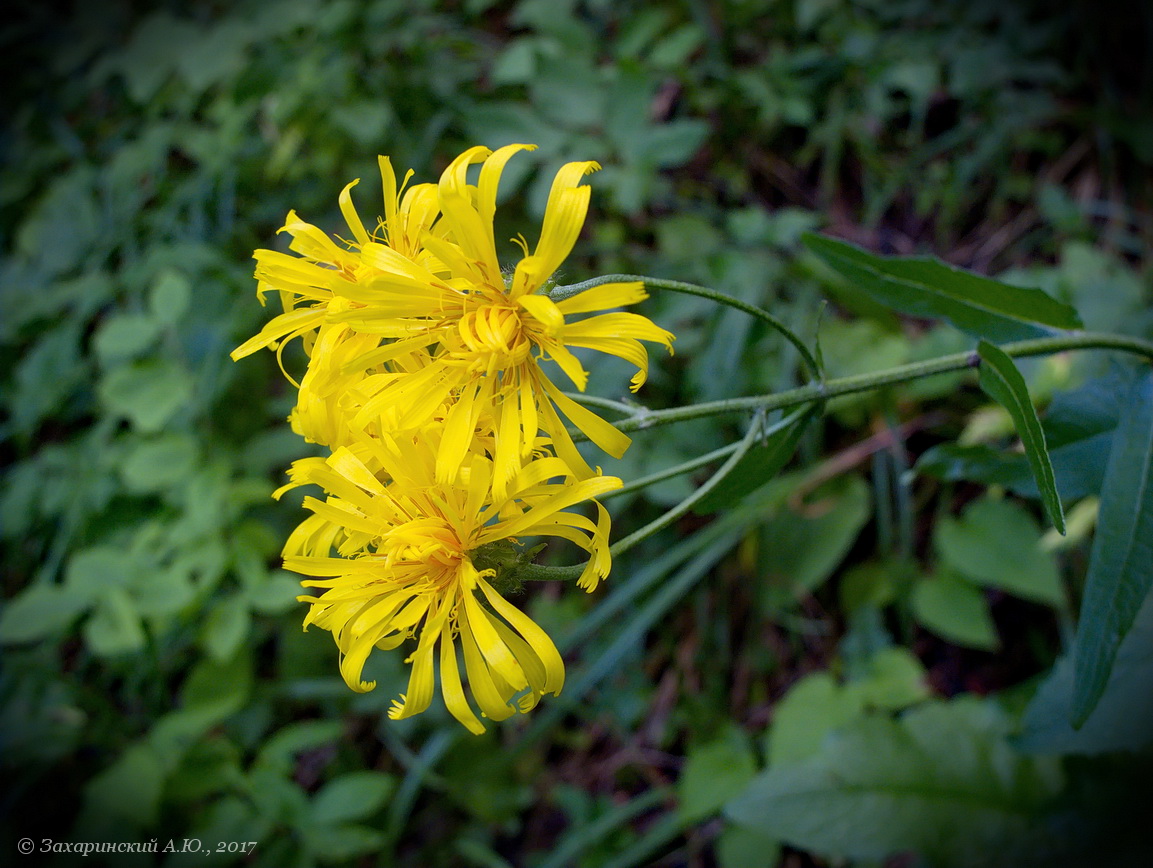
x,y
926,287
1121,563
1002,382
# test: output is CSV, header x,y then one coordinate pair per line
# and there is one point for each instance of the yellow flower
x,y
410,562
307,284
486,332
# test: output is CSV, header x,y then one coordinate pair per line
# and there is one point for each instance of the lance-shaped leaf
x,y
1002,382
1121,562
922,286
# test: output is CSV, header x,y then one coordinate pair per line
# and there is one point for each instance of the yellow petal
x,y
350,215
603,297
536,637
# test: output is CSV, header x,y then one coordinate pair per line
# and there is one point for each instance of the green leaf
x,y
280,749
159,464
956,611
341,843
1123,718
40,611
926,287
745,847
128,791
351,797
169,297
803,548
758,466
814,707
1121,563
715,772
996,543
148,393
1001,381
115,627
226,627
893,678
216,690
942,782
124,336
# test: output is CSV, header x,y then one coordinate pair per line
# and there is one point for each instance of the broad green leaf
x,y
1002,382
956,611
802,548
926,287
941,782
758,466
40,611
996,543
1122,719
93,570
114,627
714,772
351,797
1121,563
814,707
148,393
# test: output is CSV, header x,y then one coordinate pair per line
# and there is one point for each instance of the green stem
x,y
623,545
696,463
559,293
536,572
866,382
813,392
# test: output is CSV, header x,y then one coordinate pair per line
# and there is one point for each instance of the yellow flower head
x,y
410,564
307,284
486,331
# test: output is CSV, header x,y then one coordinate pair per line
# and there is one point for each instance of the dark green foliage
x,y
826,617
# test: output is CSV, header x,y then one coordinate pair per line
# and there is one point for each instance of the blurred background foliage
x,y
156,683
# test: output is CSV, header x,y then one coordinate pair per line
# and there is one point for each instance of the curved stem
x,y
623,545
890,376
559,293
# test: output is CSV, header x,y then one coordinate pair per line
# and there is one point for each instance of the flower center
x,y
492,338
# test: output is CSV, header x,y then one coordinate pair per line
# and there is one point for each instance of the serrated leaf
x,y
941,782
1001,381
351,797
926,287
714,772
759,465
997,543
956,611
1121,562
